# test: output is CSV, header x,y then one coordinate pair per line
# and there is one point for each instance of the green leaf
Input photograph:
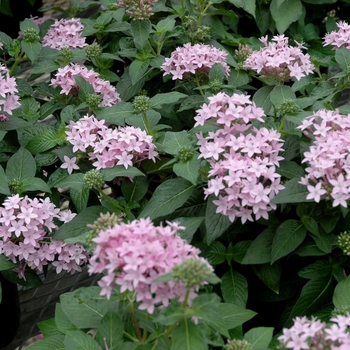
x,y
171,314
247,5
270,275
294,192
119,171
78,340
85,307
234,315
77,226
34,184
140,31
116,114
314,295
4,188
238,251
45,66
174,141
168,98
79,198
323,240
342,56
21,165
85,88
216,253
320,268
280,94
234,288
289,235
191,225
31,278
262,98
54,342
238,78
28,24
285,12
168,196
259,337
188,170
61,320
187,336
110,330
32,50
49,328
137,69
215,224
43,141
6,264
135,189
165,25
259,252
290,169
217,71
341,295
75,181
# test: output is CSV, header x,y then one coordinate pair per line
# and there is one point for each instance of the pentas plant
x,y
175,142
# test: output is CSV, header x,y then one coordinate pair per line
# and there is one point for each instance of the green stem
x,y
109,200
282,125
19,59
145,333
199,86
152,49
134,321
130,337
147,124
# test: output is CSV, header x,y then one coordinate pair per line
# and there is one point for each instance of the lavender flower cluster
x,y
279,61
65,33
65,80
9,100
189,59
340,38
243,158
314,334
108,147
133,255
24,229
328,173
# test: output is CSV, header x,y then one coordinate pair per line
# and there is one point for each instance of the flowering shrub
x,y
202,171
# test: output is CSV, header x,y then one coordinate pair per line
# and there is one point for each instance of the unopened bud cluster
x,y
344,242
93,179
185,154
192,273
138,10
288,107
30,35
66,53
93,50
242,53
215,85
93,100
237,344
15,185
141,104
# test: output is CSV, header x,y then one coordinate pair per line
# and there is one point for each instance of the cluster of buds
x,y
328,157
108,147
134,255
138,10
8,89
279,61
196,59
65,33
242,158
106,93
24,229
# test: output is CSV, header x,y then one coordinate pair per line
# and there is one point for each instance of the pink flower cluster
x,y
133,255
190,59
314,334
65,33
65,80
243,158
341,38
8,98
279,61
328,173
109,147
25,224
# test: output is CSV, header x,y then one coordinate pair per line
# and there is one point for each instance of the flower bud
x,y
93,179
141,104
30,35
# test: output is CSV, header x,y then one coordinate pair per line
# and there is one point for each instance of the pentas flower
x,y
65,80
314,334
138,10
65,33
328,157
243,158
188,59
8,89
108,147
24,227
134,254
279,61
340,38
